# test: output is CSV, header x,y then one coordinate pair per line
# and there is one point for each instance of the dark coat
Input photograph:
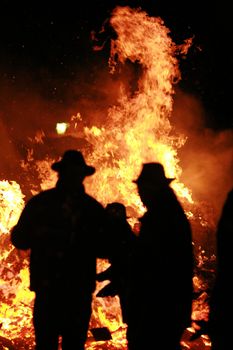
x,y
123,242
221,299
63,233
162,271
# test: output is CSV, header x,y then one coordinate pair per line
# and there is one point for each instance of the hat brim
x,y
166,180
88,169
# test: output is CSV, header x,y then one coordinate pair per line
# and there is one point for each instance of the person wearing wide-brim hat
x,y
62,228
72,170
162,266
150,180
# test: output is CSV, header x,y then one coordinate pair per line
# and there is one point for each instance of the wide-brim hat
x,y
73,158
153,176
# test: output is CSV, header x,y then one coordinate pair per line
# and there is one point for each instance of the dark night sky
x,y
51,40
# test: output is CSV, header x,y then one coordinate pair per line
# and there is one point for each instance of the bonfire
x,y
137,129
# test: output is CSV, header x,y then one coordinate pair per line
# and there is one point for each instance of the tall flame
x,y
138,128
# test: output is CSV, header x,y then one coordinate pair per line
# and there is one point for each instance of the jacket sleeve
x,y
20,233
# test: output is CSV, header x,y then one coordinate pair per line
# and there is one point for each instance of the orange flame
x,y
136,130
16,299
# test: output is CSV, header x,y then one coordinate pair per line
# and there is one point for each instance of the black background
x,y
51,40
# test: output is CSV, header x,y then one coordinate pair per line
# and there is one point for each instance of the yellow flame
x,y
11,204
16,299
137,130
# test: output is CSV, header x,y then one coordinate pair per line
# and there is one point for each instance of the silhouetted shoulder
x,y
93,202
42,196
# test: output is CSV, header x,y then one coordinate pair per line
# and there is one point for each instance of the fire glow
x,y
137,130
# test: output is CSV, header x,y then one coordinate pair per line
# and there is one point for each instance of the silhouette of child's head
x,y
116,210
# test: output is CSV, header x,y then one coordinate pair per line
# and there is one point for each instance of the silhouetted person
x,y
160,301
221,300
123,242
62,229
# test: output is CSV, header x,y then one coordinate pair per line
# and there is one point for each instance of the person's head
x,y
72,168
151,181
116,210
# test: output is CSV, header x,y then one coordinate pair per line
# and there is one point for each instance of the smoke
x,y
23,113
207,157
33,102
